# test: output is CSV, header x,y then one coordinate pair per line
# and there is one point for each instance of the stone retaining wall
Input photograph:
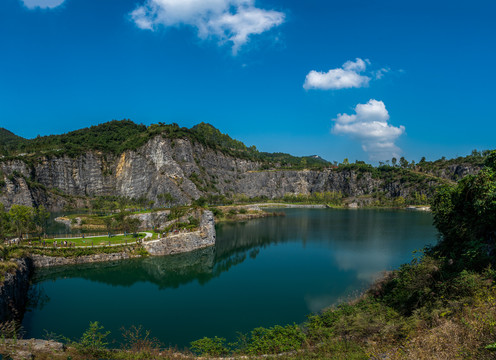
x,y
180,243
42,261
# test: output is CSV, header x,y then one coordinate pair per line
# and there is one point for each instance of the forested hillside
x,y
115,137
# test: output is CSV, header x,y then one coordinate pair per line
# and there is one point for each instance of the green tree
x,y
94,340
4,222
41,216
465,215
131,225
394,161
109,223
21,219
403,162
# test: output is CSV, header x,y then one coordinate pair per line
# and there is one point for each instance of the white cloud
x,y
369,125
227,20
44,4
348,76
379,74
358,66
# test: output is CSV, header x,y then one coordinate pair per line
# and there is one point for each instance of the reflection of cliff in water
x,y
359,237
166,272
202,265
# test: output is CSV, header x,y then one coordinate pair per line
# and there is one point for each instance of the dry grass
x,y
463,336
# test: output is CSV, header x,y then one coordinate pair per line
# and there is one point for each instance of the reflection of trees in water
x,y
363,241
166,272
352,234
343,228
175,270
37,297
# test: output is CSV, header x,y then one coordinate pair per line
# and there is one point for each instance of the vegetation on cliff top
x,y
115,137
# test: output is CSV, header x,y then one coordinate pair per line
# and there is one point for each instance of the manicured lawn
x,y
90,241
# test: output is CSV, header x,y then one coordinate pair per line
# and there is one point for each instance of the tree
x,y
4,222
465,215
403,162
109,222
132,225
21,219
394,161
41,216
94,340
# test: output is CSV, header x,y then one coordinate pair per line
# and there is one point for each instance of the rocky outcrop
x,y
41,261
14,291
152,219
185,242
184,169
458,171
24,349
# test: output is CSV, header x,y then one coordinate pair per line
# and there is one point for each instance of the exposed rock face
x,y
30,349
185,242
457,172
185,169
41,261
14,291
152,219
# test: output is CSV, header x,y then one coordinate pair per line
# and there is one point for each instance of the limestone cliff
x,y
183,168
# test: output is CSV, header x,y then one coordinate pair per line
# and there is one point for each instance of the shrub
x,y
138,340
210,346
217,212
275,340
193,222
176,212
93,341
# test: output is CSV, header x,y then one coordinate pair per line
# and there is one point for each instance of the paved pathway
x,y
148,235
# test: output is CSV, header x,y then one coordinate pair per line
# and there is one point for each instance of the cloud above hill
x,y
345,77
43,4
369,125
231,21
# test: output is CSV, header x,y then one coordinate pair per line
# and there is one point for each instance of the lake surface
x,y
260,273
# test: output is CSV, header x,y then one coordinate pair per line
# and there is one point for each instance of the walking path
x,y
148,235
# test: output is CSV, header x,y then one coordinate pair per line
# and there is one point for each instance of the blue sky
x,y
359,79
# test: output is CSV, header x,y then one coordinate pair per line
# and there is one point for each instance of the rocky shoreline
x,y
14,290
43,261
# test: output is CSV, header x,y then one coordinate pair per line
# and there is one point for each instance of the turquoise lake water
x,y
260,273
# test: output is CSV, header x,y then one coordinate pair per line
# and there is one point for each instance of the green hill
x,y
118,136
9,140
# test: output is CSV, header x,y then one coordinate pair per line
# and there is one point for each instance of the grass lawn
x,y
89,241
